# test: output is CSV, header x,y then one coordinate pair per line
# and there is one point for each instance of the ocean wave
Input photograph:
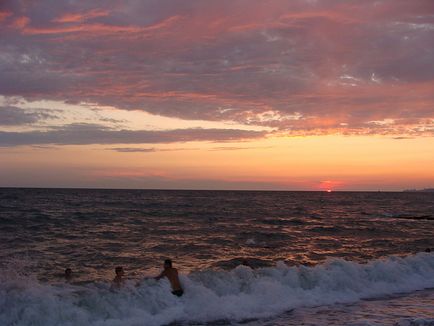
x,y
239,294
416,322
401,322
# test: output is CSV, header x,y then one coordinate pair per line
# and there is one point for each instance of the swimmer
x,y
68,275
118,280
172,275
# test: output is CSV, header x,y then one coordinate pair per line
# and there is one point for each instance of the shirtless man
x,y
118,280
172,275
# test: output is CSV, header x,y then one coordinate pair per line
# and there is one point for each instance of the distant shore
x,y
420,190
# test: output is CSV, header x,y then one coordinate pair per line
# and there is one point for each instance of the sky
x,y
227,94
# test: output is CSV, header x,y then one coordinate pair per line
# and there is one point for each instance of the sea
x,y
244,257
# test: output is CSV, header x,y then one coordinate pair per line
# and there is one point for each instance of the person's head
x,y
119,271
168,263
428,250
68,272
245,262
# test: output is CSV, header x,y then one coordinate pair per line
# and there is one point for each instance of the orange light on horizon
x,y
329,185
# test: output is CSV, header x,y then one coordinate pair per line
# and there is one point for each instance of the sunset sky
x,y
217,94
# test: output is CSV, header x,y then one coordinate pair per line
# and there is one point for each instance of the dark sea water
x,y
314,258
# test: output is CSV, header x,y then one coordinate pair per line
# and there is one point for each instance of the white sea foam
x,y
211,295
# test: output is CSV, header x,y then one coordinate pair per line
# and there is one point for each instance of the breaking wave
x,y
239,294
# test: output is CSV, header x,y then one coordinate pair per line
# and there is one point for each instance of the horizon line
x,y
187,189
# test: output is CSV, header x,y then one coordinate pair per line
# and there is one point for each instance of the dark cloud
x,y
148,150
84,134
349,61
402,138
153,149
14,116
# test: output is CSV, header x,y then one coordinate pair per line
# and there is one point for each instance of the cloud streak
x,y
14,116
153,149
86,134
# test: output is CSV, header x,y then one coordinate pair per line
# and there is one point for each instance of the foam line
x,y
210,295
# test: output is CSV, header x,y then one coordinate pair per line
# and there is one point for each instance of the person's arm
x,y
163,273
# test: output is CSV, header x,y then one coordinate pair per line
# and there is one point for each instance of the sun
x,y
329,185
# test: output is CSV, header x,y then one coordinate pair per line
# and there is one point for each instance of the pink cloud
x,y
335,66
80,17
95,29
20,22
4,15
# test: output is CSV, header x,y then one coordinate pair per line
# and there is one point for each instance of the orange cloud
x,y
83,28
4,15
99,28
20,23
